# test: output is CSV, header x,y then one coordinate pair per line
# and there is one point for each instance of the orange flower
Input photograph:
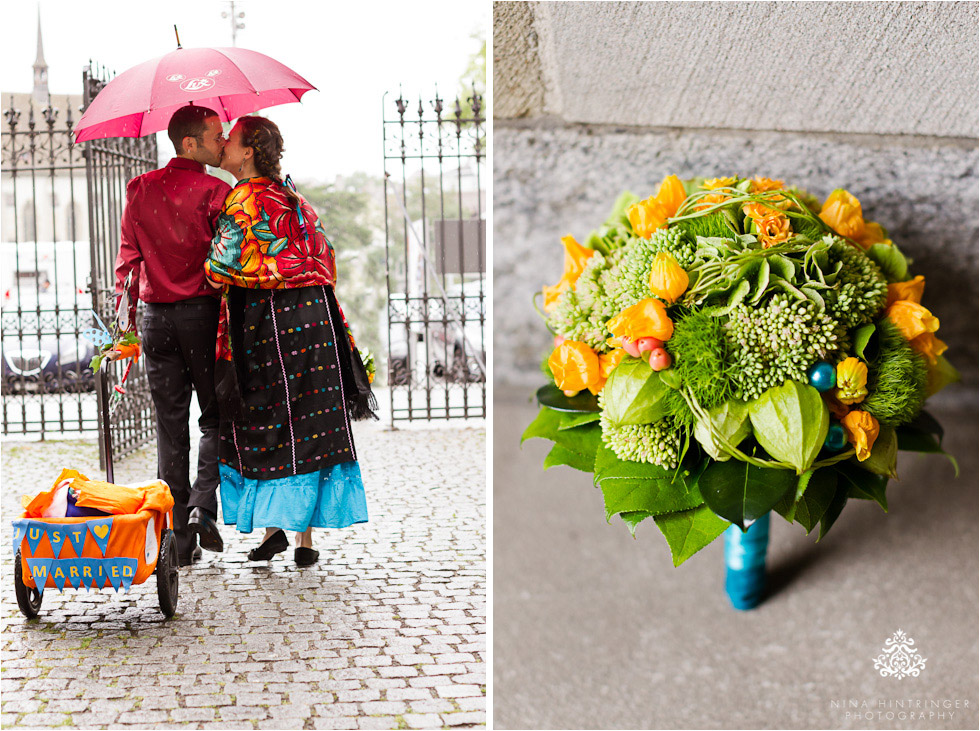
x,y
710,200
649,215
772,225
862,430
835,407
715,183
646,319
910,291
576,257
668,280
761,185
758,211
842,212
574,365
607,363
929,346
912,319
873,234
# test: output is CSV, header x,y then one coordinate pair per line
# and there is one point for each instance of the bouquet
x,y
730,347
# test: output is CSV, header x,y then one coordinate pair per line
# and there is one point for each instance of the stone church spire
x,y
40,93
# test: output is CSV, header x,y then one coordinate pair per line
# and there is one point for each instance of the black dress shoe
x,y
193,558
306,556
276,543
207,530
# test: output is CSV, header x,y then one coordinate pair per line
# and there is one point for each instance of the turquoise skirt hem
x,y
332,497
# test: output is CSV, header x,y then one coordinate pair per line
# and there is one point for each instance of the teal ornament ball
x,y
822,376
836,438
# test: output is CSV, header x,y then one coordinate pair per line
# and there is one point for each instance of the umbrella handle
x,y
745,563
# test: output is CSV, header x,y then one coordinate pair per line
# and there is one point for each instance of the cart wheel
x,y
166,572
28,599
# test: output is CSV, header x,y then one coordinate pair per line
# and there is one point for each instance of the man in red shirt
x,y
167,227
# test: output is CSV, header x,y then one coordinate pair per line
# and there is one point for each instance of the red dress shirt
x,y
167,226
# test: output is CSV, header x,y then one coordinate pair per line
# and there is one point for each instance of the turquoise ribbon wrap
x,y
745,563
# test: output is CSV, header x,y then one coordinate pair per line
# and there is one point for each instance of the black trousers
x,y
178,343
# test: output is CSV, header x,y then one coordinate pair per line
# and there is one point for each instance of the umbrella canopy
x,y
231,81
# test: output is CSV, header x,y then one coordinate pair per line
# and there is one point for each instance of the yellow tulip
x,y
910,291
842,212
912,319
646,319
862,430
647,216
574,365
668,280
852,381
576,257
715,183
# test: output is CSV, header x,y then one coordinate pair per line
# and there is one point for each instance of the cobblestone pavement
x,y
386,631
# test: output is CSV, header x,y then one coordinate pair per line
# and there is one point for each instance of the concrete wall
x,y
594,98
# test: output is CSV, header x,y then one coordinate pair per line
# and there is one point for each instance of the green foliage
x,y
701,357
742,493
715,224
896,379
688,531
633,394
790,422
576,444
658,443
729,422
884,454
861,288
814,494
632,277
630,487
582,311
862,484
891,260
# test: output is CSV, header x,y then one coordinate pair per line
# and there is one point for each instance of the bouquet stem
x,y
745,563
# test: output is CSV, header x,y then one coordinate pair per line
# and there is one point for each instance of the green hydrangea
x,y
658,443
861,287
780,341
633,276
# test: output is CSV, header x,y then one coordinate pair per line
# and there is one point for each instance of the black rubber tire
x,y
167,574
28,599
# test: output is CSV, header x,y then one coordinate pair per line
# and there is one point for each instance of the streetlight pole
x,y
236,24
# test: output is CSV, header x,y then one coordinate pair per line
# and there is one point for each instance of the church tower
x,y
40,93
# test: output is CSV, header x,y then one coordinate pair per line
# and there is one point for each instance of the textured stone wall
x,y
594,98
552,179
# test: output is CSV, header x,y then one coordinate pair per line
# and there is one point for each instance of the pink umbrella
x,y
231,81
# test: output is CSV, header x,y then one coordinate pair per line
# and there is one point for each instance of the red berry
x,y
646,344
631,347
659,359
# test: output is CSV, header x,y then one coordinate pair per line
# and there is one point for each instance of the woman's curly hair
x,y
265,139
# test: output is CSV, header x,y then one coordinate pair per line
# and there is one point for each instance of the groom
x,y
167,227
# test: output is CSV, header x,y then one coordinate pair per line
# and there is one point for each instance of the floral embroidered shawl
x,y
260,244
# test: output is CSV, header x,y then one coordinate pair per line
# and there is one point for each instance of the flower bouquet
x,y
730,347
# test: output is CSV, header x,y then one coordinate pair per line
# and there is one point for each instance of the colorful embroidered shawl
x,y
262,243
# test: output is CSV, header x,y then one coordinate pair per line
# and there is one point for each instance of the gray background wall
x,y
594,98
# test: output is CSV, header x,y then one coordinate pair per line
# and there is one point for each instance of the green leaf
x,y
633,519
742,493
634,394
893,263
862,484
816,499
689,531
574,420
790,422
551,396
786,506
671,378
864,346
730,421
632,486
883,455
926,422
559,455
580,441
833,511
912,439
941,375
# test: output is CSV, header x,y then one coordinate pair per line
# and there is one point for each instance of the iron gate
x,y
64,204
435,258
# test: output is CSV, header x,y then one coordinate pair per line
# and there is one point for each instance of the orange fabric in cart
x,y
104,496
127,539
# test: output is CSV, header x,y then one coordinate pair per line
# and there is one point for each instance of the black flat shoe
x,y
207,530
276,543
306,556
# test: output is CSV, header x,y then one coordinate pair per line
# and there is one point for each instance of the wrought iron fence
x,y
435,249
62,204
